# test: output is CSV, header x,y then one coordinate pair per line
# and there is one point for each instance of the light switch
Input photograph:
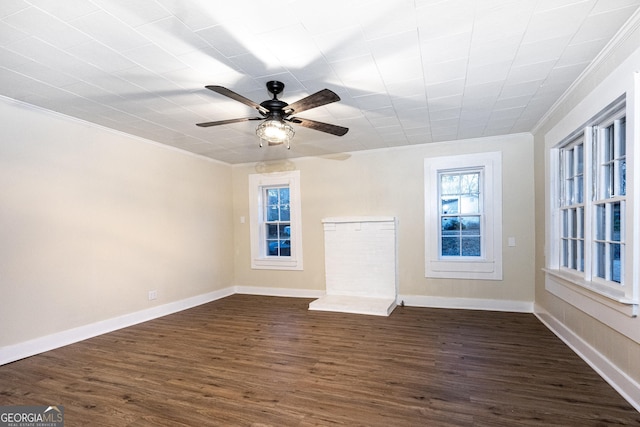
x,y
241,220
511,241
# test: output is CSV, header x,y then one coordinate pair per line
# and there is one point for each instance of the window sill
x,y
276,264
463,269
582,293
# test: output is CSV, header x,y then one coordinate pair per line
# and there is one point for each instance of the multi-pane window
x,y
460,214
277,221
463,216
572,205
592,202
275,230
609,201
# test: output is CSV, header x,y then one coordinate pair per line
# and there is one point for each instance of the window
x,y
463,216
277,215
591,233
572,205
460,214
275,226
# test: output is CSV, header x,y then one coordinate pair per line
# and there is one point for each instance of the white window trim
x,y
259,260
489,267
578,288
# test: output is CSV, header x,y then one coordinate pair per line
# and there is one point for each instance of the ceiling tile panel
x,y
46,27
557,22
133,13
66,10
109,31
9,7
100,56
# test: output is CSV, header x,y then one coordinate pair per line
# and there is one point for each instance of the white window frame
x,y
259,258
586,283
489,265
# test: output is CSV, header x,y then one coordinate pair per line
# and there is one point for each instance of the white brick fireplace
x,y
360,265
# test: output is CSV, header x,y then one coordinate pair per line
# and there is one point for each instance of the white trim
x,y
14,352
489,266
626,386
466,303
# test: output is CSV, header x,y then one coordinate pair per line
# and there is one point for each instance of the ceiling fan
x,y
276,114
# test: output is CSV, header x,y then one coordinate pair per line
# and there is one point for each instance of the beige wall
x,y
91,220
391,182
609,78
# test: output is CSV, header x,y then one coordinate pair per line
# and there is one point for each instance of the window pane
x,y
573,228
449,184
469,183
471,246
608,140
615,262
622,177
579,159
565,223
284,204
470,225
272,213
272,196
565,253
469,204
272,231
580,266
615,222
285,214
450,246
579,189
580,225
569,194
600,260
449,205
450,226
600,222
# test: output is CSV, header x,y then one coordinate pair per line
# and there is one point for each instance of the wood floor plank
x,y
267,361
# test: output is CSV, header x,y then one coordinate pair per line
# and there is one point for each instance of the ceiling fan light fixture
x,y
275,132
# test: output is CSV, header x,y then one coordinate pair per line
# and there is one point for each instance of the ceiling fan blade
x,y
323,97
322,127
226,122
235,96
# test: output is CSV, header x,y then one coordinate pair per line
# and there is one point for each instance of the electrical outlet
x,y
153,295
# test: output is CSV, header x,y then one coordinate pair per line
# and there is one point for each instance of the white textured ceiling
x,y
408,71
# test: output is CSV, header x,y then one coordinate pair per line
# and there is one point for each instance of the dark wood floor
x,y
266,361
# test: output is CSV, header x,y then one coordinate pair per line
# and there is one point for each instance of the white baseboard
x,y
11,353
628,388
466,303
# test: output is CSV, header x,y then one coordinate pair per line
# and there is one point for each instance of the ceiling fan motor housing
x,y
275,87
